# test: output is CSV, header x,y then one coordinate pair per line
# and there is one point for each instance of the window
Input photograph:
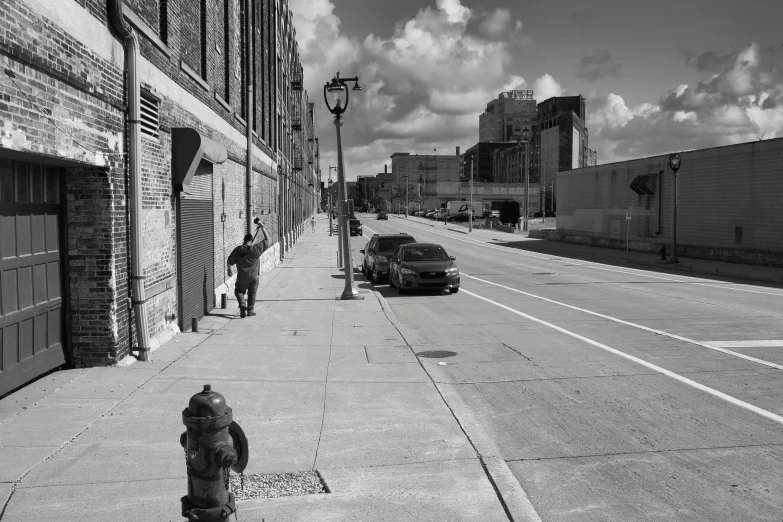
x,y
243,61
163,21
204,39
226,49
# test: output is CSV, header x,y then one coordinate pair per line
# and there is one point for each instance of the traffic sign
x,y
628,216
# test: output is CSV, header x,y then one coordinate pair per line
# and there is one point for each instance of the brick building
x,y
125,178
509,117
728,204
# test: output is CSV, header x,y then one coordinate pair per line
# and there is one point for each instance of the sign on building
x,y
521,95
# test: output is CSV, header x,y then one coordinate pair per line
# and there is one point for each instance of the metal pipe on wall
x,y
134,169
249,113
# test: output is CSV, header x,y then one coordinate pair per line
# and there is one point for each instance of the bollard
x,y
214,444
194,324
663,253
223,301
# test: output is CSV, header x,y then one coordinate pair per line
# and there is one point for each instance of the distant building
x,y
508,164
509,117
433,176
482,155
560,139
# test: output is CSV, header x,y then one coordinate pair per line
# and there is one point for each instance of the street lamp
x,y
420,194
674,164
330,204
337,87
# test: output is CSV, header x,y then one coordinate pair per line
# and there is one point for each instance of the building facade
x,y
137,145
509,117
728,204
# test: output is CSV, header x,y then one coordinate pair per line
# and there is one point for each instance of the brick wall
x,y
728,204
72,72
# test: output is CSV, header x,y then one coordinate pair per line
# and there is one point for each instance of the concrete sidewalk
x,y
315,382
541,240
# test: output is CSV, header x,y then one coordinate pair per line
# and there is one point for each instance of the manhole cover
x,y
436,354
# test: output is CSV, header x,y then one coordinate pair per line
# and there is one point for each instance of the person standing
x,y
246,258
312,222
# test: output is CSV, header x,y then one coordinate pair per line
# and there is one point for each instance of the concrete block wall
x,y
728,204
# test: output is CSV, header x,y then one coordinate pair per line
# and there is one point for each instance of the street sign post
x,y
627,230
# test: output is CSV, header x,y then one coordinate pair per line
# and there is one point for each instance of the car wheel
x,y
454,290
400,290
391,280
376,277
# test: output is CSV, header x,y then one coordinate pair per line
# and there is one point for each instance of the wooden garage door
x,y
196,258
30,285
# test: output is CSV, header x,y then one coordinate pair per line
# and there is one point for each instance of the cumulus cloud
x,y
596,65
742,101
424,86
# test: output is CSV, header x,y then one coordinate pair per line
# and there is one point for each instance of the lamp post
x,y
527,182
406,195
337,87
420,194
674,164
470,211
330,206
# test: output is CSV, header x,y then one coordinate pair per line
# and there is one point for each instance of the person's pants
x,y
239,292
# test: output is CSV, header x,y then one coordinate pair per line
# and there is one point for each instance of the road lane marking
x,y
637,272
689,382
635,325
772,343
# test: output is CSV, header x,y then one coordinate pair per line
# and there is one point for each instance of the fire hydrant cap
x,y
208,404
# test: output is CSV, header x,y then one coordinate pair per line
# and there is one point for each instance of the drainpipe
x,y
249,114
660,201
134,170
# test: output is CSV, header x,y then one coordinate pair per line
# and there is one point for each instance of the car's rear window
x,y
355,222
431,253
387,245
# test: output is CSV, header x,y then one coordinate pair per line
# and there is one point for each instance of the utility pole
x,y
527,182
470,211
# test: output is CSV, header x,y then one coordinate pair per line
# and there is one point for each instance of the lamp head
x,y
356,86
675,161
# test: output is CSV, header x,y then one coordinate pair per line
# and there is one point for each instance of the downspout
x,y
134,169
249,114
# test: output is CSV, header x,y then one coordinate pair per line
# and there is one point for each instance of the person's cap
x,y
248,237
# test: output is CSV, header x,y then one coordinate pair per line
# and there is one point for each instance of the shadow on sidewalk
x,y
613,257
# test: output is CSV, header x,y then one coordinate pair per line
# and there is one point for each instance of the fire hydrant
x,y
214,444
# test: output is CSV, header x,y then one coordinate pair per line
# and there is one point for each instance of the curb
x,y
680,267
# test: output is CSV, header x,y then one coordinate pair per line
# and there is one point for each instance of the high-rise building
x,y
510,117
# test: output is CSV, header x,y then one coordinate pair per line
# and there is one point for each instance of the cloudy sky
x,y
657,76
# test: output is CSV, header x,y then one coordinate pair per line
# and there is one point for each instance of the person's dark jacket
x,y
246,259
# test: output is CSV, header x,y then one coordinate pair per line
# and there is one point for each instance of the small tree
x,y
398,193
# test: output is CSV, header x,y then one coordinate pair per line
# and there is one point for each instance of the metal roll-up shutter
x,y
195,231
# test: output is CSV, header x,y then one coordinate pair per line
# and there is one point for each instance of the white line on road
x,y
771,343
635,325
728,398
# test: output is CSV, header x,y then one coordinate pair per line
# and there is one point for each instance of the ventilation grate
x,y
150,117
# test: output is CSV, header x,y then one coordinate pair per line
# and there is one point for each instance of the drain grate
x,y
436,354
275,485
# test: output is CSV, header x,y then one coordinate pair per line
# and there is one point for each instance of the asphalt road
x,y
612,393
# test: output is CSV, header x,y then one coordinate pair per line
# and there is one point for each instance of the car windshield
x,y
388,245
431,253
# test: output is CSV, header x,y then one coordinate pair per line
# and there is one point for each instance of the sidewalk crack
x,y
326,383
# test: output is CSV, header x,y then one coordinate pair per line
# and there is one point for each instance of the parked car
x,y
355,227
382,215
376,254
423,266
429,213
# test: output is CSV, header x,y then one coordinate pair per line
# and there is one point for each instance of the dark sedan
x,y
375,256
382,215
355,227
423,266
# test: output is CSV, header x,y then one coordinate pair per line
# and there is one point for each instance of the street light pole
x,y
406,196
330,203
674,163
527,182
337,87
470,210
